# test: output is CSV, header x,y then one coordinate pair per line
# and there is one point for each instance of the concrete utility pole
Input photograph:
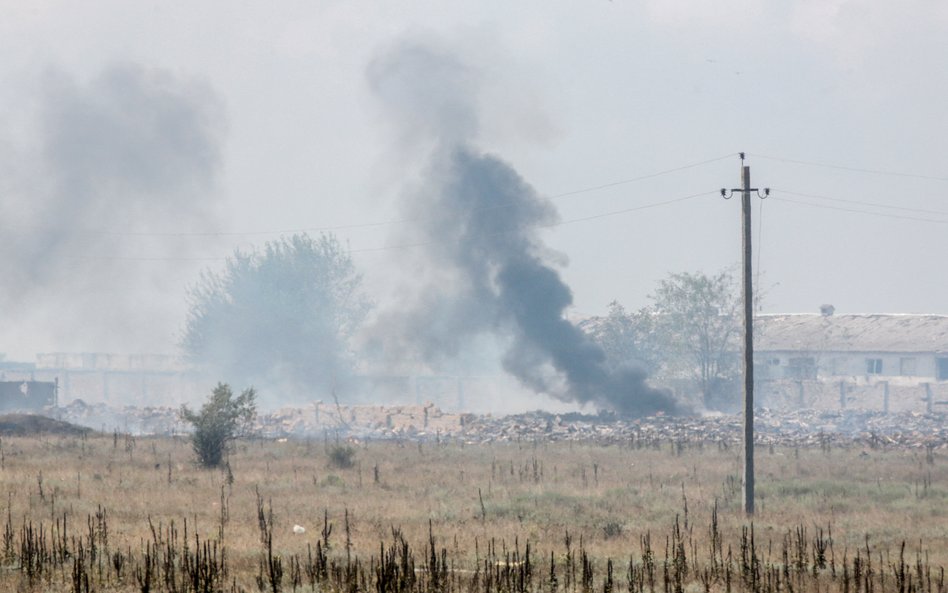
x,y
747,480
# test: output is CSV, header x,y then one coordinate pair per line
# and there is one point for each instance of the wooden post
x,y
748,481
748,297
885,397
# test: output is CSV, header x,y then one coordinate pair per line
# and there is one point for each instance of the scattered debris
x,y
802,428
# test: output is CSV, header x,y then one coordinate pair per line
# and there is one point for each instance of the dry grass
x,y
513,494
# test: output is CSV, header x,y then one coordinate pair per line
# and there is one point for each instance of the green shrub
x,y
342,456
221,420
332,480
612,529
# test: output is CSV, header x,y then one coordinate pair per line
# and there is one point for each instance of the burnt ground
x,y
34,424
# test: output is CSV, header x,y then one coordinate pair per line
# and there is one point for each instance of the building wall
x,y
119,388
879,396
910,368
107,361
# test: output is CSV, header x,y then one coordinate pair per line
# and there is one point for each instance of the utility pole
x,y
747,480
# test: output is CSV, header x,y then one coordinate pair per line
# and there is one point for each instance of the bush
x,y
221,420
342,456
612,529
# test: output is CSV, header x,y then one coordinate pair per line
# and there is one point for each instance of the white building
x,y
903,348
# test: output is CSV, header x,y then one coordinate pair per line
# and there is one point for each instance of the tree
x,y
282,316
221,420
626,338
698,325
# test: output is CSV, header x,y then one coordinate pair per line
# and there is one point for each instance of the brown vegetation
x,y
114,512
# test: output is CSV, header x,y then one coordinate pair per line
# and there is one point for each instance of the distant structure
x,y
882,362
27,395
163,380
910,349
120,379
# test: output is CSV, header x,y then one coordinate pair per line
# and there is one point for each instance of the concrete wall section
x,y
880,395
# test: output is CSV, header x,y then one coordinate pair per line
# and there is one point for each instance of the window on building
x,y
907,366
803,367
942,368
873,366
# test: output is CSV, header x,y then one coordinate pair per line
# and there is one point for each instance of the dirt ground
x,y
34,424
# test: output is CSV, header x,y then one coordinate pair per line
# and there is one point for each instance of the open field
x,y
98,511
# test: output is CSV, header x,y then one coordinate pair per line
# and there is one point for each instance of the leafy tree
x,y
282,315
626,338
698,326
221,420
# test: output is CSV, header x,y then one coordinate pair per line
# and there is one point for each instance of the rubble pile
x,y
315,419
804,428
158,420
363,421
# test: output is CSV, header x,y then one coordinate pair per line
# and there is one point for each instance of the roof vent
x,y
827,310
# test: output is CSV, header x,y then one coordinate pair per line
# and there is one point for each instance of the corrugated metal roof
x,y
852,333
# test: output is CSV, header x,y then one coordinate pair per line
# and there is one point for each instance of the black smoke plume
x,y
485,269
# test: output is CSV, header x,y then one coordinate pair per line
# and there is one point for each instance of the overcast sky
x,y
262,120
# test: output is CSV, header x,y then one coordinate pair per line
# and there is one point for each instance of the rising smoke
x,y
486,271
100,165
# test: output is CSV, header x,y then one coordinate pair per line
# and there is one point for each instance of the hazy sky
x,y
261,120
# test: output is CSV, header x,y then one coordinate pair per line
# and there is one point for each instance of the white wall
x,y
846,364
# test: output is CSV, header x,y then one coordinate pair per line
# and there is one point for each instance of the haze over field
x,y
140,143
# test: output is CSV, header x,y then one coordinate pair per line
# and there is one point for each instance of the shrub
x,y
612,529
342,456
332,480
221,420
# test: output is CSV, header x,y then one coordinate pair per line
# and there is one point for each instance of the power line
x,y
857,211
852,169
342,227
144,259
552,224
627,210
425,243
862,202
642,177
760,243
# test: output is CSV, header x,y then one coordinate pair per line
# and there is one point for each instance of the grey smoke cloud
x,y
485,270
131,150
142,134
432,92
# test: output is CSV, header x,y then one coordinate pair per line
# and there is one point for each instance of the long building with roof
x,y
903,347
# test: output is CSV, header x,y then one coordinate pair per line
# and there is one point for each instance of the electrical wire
x,y
760,242
342,227
553,224
642,177
862,202
867,212
427,243
851,169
